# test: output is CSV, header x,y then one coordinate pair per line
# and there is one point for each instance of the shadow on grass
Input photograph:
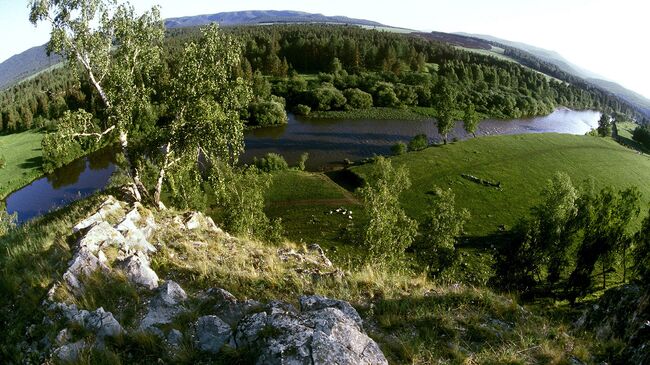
x,y
32,163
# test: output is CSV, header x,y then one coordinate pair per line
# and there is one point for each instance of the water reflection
x,y
332,141
74,181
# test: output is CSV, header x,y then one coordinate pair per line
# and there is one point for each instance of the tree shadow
x,y
32,163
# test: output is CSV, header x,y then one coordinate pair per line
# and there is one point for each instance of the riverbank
x,y
23,159
522,164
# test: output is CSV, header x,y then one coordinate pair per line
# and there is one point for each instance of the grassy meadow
x,y
22,155
522,164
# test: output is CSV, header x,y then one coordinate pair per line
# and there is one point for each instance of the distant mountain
x,y
637,100
262,17
25,64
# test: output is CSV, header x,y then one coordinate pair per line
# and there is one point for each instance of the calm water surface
x,y
328,143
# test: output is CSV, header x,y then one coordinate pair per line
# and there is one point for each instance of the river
x,y
328,142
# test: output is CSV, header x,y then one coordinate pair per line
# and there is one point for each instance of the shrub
x,y
267,113
241,196
327,97
389,231
302,161
418,143
385,95
271,162
641,134
357,99
399,148
302,109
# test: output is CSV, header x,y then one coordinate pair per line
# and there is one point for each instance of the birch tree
x,y
117,51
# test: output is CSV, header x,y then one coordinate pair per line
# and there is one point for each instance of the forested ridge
x,y
398,71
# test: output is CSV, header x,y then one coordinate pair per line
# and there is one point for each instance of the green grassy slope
x,y
22,153
522,164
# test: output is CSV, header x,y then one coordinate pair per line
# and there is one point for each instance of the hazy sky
x,y
604,36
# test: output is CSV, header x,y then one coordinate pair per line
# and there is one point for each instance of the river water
x,y
328,142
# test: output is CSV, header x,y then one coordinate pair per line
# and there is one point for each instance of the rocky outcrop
x,y
322,331
623,313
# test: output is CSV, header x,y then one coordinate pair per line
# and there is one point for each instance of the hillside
x,y
262,17
25,64
639,101
106,281
522,164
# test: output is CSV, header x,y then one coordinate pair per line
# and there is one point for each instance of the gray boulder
x,y
103,324
212,333
101,235
320,334
165,306
316,302
175,338
84,263
137,269
108,208
228,308
69,352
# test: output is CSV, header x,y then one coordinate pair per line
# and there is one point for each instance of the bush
x,y
271,162
302,161
418,143
642,135
357,99
241,196
399,148
301,109
327,97
385,95
267,113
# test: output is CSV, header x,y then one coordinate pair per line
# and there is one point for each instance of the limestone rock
x,y
103,324
212,333
228,308
83,263
70,352
316,302
109,207
175,338
137,269
101,235
320,334
165,306
197,220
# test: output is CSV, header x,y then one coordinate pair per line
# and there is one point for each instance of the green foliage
x,y
399,148
70,141
441,229
7,221
418,143
642,252
471,120
267,113
389,231
445,105
357,99
543,242
3,162
605,126
641,134
240,195
604,220
302,109
327,97
302,161
271,162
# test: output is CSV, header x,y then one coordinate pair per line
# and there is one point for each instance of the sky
x,y
603,36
